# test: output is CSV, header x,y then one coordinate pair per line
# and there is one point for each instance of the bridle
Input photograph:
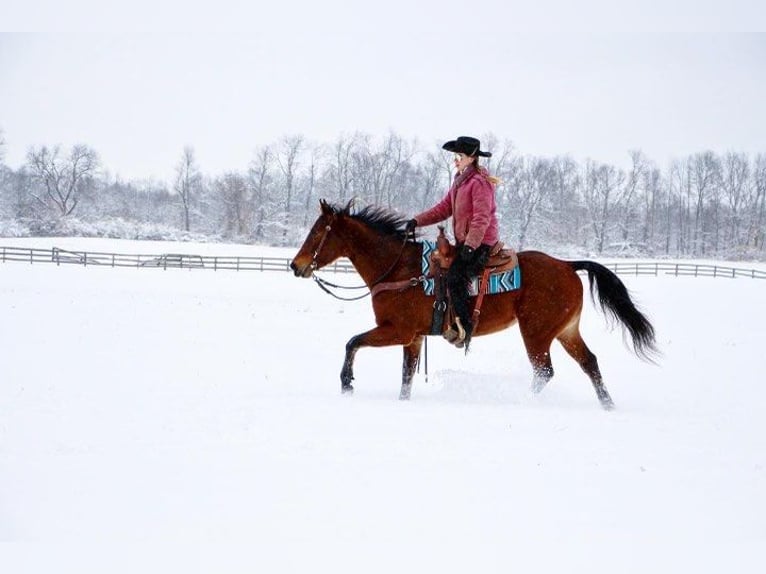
x,y
314,266
327,285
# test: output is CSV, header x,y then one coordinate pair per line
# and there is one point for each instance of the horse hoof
x,y
404,395
347,390
607,405
537,387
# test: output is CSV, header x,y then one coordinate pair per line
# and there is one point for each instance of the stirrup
x,y
455,334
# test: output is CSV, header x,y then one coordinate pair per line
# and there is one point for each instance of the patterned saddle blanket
x,y
499,282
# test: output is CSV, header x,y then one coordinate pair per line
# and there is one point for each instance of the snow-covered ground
x,y
192,421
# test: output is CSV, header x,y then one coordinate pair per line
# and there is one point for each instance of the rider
x,y
471,203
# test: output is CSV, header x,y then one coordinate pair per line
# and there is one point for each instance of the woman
x,y
471,203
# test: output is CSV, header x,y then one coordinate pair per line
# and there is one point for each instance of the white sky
x,y
431,71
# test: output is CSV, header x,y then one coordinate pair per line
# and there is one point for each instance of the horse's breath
x,y
547,306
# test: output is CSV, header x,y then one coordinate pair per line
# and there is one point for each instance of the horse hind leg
x,y
573,343
409,366
539,354
542,369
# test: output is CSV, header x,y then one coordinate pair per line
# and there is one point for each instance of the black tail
x,y
614,299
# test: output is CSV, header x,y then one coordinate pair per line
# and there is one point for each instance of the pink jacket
x,y
471,203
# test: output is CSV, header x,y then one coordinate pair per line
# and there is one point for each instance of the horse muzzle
x,y
304,271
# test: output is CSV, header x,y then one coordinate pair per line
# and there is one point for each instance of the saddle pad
x,y
500,282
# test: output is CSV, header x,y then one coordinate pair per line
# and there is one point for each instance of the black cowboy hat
x,y
467,145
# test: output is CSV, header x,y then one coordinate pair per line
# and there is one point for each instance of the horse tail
x,y
615,302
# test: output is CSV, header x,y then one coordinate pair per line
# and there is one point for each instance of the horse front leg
x,y
347,372
409,365
377,337
382,336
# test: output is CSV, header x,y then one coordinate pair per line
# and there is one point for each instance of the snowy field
x,y
192,421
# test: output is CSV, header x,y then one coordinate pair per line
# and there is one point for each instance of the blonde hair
x,y
494,180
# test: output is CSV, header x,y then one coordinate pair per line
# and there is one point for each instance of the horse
x,y
547,305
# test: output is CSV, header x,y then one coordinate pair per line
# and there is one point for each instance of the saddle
x,y
500,259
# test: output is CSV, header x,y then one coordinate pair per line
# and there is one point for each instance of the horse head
x,y
321,246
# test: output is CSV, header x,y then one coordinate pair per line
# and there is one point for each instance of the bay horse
x,y
547,306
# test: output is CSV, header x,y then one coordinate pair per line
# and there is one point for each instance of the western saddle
x,y
500,259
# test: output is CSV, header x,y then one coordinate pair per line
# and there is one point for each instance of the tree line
x,y
703,205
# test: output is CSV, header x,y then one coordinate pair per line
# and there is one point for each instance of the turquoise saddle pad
x,y
500,282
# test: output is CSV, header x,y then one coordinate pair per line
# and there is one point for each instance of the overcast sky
x,y
431,72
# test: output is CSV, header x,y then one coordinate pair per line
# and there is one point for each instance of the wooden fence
x,y
217,262
162,261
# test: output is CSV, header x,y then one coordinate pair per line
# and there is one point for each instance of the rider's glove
x,y
466,252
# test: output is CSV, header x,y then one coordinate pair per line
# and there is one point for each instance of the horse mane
x,y
384,221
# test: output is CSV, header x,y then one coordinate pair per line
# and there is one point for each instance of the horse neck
x,y
373,255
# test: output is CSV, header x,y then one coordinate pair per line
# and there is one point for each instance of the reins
x,y
327,285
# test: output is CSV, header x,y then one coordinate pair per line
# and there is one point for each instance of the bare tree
x,y
507,166
287,159
340,166
679,202
652,198
503,154
311,181
704,175
757,228
232,191
377,170
700,204
397,155
630,191
432,178
735,183
602,182
261,179
534,184
61,178
187,183
568,222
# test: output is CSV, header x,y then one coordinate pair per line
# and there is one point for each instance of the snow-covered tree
x,y
59,179
188,183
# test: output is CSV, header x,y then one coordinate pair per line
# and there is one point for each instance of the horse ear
x,y
324,206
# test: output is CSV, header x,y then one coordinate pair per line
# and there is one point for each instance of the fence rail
x,y
162,261
217,262
683,269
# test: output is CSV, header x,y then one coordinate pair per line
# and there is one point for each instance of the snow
x,y
192,421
